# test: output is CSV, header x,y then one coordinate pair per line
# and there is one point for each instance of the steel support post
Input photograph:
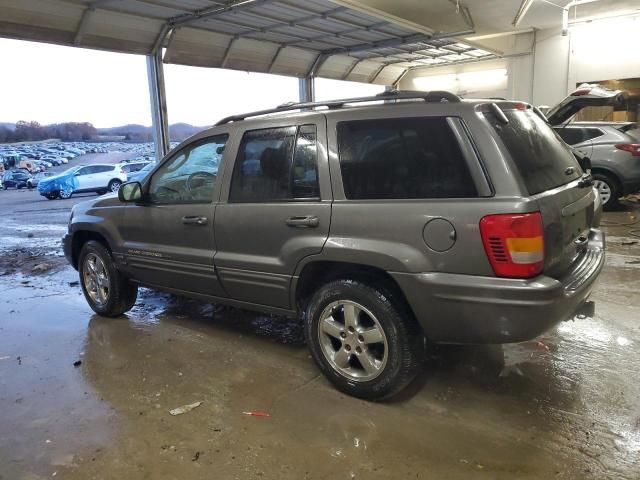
x,y
158,98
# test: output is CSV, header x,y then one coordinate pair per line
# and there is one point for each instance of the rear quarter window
x,y
541,157
402,158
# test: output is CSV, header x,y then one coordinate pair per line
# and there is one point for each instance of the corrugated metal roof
x,y
276,36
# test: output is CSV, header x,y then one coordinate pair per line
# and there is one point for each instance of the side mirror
x,y
130,192
77,174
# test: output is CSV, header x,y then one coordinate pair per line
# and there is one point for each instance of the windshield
x,y
542,158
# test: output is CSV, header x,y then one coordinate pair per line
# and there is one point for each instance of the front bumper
x,y
455,308
67,247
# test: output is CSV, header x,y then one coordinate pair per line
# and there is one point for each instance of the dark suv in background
x,y
378,221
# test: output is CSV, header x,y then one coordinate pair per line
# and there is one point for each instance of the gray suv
x,y
614,150
380,222
613,147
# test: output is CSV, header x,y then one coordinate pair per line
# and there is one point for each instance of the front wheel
x,y
114,185
608,189
363,339
108,292
65,194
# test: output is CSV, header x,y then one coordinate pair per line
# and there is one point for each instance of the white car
x,y
99,177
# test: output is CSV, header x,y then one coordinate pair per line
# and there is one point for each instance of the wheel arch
x,y
316,273
81,237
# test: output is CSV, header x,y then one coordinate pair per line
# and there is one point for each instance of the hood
x,y
586,95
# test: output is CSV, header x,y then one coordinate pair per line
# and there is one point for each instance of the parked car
x,y
54,160
458,221
100,178
16,178
33,181
130,167
140,174
613,147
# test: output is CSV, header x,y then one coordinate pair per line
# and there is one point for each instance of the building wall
x,y
543,67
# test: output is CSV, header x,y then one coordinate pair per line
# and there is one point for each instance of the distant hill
x,y
177,131
10,126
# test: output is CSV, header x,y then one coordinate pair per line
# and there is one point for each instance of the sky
x,y
54,84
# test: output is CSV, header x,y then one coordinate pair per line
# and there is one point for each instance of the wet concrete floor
x,y
565,406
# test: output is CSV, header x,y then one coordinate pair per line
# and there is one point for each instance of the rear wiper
x,y
586,180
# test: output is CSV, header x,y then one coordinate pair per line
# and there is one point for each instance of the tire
x,y
114,185
393,345
64,195
51,196
608,188
5,187
19,187
108,292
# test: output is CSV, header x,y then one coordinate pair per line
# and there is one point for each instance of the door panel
x,y
169,238
277,210
161,249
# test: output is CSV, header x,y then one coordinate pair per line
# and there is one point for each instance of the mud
x,y
565,406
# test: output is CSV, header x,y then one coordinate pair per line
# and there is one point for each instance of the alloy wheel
x,y
96,279
352,340
603,189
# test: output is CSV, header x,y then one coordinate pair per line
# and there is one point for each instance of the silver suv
x,y
613,147
614,150
380,222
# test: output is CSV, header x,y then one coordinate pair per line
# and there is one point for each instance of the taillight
x,y
633,148
514,243
581,91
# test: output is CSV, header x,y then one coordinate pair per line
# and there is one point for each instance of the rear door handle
x,y
194,220
308,221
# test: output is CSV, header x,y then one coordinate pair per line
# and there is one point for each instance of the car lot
x,y
562,406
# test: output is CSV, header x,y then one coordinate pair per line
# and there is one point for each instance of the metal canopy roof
x,y
288,37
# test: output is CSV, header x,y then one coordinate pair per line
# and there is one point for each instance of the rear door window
x,y
542,159
276,164
402,158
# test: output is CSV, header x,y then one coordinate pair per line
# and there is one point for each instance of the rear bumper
x,y
456,308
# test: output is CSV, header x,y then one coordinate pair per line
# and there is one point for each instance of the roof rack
x,y
431,97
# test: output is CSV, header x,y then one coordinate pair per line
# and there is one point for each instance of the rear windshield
x,y
539,154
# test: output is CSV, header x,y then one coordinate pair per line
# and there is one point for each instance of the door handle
x,y
308,221
194,220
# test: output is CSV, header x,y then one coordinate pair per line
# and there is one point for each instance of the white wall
x,y
547,70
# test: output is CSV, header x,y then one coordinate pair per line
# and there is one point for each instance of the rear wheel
x,y
363,339
51,196
114,185
108,292
608,189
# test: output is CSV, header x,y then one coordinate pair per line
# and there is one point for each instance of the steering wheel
x,y
194,175
166,192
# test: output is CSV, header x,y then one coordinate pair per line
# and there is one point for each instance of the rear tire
x,y
363,339
609,190
114,185
108,292
51,196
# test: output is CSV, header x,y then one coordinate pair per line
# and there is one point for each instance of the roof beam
x,y
227,52
275,58
233,6
82,26
350,69
376,74
392,42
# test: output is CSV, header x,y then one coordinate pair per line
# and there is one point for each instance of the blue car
x,y
61,185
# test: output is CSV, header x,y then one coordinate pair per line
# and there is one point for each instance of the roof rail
x,y
432,97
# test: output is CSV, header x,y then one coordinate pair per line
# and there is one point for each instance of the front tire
x,y
608,189
114,185
108,292
363,338
65,194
